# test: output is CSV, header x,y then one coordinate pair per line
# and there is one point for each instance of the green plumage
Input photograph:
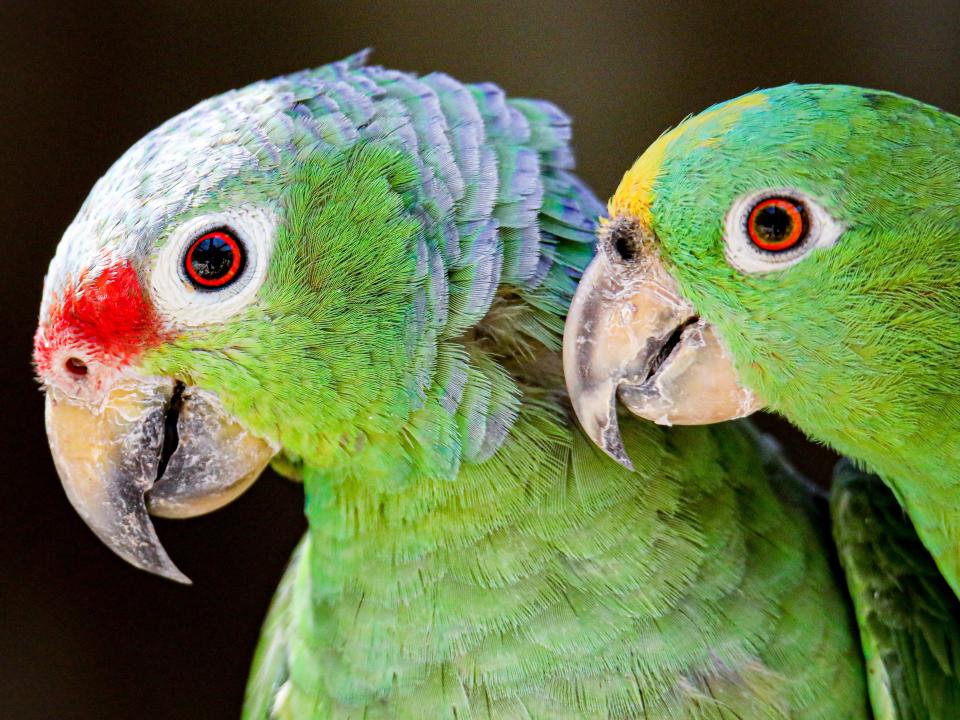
x,y
470,554
544,581
856,343
548,582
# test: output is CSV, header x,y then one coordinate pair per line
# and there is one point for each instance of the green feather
x,y
470,554
856,344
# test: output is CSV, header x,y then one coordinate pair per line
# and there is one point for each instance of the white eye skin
x,y
191,284
774,228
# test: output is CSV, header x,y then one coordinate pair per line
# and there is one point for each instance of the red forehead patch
x,y
108,316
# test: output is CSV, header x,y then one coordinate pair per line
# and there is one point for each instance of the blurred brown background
x,y
83,635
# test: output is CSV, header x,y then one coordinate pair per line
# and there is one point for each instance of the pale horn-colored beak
x,y
630,333
148,444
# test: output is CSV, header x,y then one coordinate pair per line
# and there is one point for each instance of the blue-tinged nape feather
x,y
504,228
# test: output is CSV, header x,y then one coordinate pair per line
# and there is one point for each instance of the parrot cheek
x,y
630,333
148,446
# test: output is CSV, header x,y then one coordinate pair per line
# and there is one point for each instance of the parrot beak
x,y
149,446
630,333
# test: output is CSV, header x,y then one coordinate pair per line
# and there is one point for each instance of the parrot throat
x,y
425,518
529,571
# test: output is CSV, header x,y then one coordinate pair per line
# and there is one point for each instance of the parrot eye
x,y
214,259
212,265
776,224
773,229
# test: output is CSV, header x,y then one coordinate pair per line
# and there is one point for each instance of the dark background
x,y
82,635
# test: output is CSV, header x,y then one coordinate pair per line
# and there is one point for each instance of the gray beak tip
x,y
612,444
178,577
622,458
164,567
167,572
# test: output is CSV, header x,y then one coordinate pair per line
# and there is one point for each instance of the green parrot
x,y
797,249
361,277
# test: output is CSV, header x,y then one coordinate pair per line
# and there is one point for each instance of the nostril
x,y
76,367
625,241
625,249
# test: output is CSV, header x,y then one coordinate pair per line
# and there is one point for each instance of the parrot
x,y
796,249
359,277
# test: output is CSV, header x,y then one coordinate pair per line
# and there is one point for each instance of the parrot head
x,y
779,250
233,288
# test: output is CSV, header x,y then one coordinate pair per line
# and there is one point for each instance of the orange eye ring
x,y
214,259
776,224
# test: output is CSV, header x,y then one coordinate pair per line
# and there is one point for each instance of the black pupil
x,y
212,258
773,223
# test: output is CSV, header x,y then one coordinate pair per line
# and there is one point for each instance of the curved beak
x,y
148,447
630,333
